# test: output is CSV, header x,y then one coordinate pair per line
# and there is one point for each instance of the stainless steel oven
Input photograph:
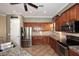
x,y
63,46
63,49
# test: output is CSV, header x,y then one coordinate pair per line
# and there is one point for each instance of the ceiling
x,y
45,10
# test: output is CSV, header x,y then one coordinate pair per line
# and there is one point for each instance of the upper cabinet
x,y
38,26
73,13
77,12
68,16
57,23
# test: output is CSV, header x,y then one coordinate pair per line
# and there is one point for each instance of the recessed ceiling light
x,y
30,11
44,11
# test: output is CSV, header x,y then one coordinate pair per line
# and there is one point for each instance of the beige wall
x,y
21,20
3,26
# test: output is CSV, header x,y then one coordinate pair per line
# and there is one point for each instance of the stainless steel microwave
x,y
71,27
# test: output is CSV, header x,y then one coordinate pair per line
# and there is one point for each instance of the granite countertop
x,y
40,33
16,51
74,48
54,35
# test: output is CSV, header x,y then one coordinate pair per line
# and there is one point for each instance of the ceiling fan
x,y
25,5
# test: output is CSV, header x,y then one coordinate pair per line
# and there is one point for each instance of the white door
x,y
15,30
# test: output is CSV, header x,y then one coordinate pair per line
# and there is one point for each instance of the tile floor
x,y
41,50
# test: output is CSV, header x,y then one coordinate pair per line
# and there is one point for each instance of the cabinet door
x,y
52,42
58,24
77,12
72,13
36,40
67,16
63,19
33,40
46,40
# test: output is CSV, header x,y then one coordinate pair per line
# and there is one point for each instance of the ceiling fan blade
x,y
25,7
33,5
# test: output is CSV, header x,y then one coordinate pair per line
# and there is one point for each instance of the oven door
x,y
63,49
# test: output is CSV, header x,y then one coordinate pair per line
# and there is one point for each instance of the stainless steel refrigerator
x,y
27,41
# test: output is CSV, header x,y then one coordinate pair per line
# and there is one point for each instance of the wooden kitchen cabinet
x,y
36,40
53,44
45,26
43,40
60,21
46,40
50,41
73,53
72,13
63,18
77,12
67,16
58,24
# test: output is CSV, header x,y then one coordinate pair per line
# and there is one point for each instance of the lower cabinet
x,y
53,44
73,53
36,40
45,40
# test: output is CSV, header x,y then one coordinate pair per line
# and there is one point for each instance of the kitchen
x,y
59,32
